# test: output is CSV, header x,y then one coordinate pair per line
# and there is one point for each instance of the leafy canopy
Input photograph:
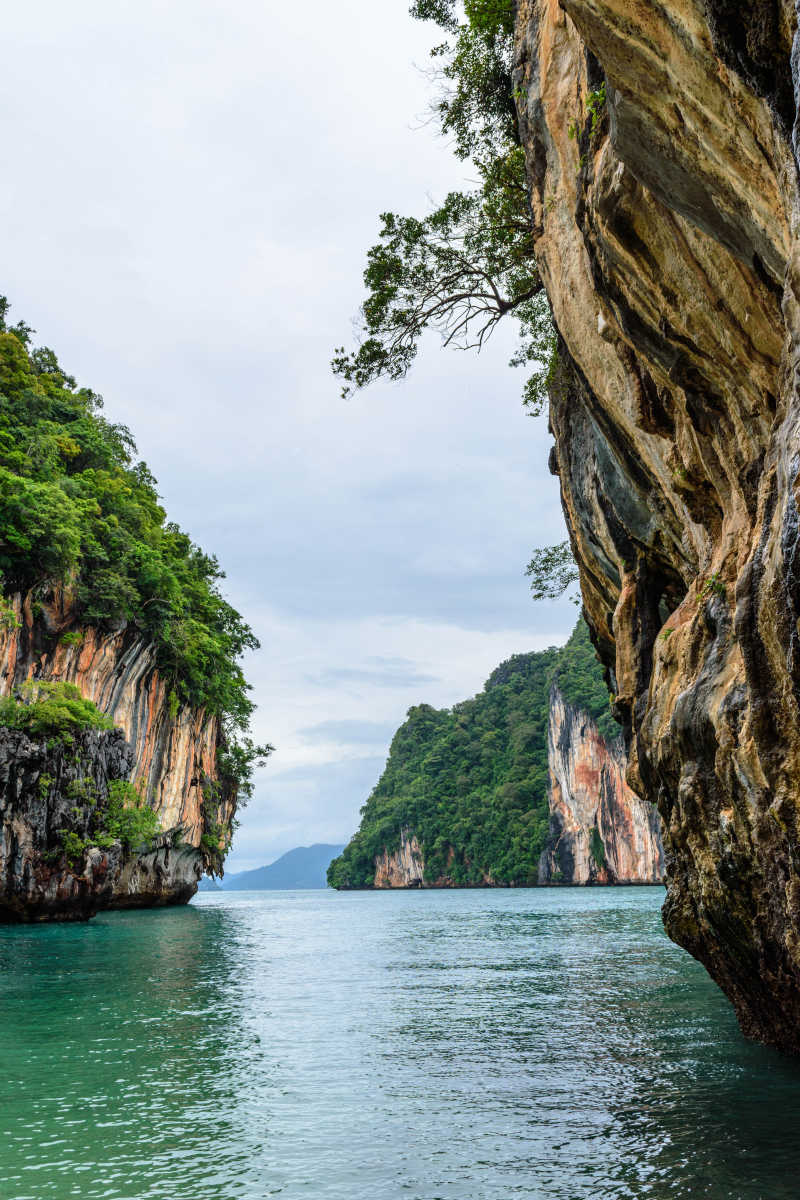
x,y
77,508
553,571
472,781
470,262
48,709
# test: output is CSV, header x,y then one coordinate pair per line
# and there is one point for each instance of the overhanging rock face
x,y
666,237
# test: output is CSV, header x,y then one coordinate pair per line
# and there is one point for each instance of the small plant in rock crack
x,y
73,638
713,586
596,102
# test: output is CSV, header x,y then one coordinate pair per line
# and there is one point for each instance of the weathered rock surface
x,y
49,788
174,747
404,868
168,873
600,831
667,240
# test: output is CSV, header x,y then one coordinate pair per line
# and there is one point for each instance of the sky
x,y
189,188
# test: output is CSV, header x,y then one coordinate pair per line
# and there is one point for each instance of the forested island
x,y
472,781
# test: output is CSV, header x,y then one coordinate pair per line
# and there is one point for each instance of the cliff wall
x,y
666,234
600,831
49,788
404,867
174,747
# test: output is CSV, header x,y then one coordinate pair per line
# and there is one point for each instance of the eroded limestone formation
x,y
173,747
403,867
600,830
666,234
49,788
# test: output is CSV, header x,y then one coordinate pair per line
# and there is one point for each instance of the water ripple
x,y
430,1046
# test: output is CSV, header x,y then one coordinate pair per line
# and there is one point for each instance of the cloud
x,y
350,732
385,673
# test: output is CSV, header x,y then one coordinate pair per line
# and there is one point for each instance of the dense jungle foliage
x,y
471,781
78,509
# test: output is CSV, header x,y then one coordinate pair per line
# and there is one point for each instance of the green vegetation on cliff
x,y
78,510
51,710
471,781
120,815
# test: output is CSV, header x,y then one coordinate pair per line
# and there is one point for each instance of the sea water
x,y
466,1045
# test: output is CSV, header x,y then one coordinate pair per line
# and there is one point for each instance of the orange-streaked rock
x,y
667,239
600,831
174,746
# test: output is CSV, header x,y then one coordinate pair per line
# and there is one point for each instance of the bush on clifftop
x,y
51,710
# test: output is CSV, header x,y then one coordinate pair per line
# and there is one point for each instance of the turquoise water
x,y
485,1045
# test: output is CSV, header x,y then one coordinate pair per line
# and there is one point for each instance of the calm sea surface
x,y
481,1045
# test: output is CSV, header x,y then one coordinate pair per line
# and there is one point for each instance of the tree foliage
x,y
475,103
470,262
77,508
471,782
553,571
51,709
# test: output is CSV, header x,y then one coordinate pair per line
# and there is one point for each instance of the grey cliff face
x,y
51,792
48,789
667,242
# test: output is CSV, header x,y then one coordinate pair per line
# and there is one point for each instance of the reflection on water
x,y
462,1046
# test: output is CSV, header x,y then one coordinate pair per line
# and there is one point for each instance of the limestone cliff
x,y
666,234
402,868
600,831
405,868
49,789
173,747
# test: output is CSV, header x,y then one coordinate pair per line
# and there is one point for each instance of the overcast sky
x,y
187,193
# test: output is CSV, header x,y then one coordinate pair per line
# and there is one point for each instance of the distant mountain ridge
x,y
303,867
